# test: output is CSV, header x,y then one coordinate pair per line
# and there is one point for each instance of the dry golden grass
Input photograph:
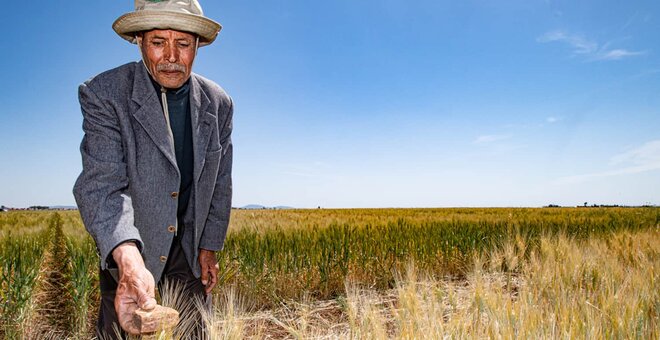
x,y
596,288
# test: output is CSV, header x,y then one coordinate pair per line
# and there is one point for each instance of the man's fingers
x,y
213,278
151,288
209,286
211,283
205,276
209,266
125,307
146,302
214,274
146,298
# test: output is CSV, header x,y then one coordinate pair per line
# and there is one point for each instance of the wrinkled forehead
x,y
168,34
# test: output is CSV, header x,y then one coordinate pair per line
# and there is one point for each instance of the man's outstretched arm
x,y
101,189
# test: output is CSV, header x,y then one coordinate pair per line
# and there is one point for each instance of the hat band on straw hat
x,y
185,16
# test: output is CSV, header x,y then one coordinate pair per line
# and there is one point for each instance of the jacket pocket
x,y
211,161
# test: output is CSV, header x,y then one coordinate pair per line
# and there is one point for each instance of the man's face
x,y
169,56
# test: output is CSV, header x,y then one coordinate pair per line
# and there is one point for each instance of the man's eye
x,y
157,43
184,45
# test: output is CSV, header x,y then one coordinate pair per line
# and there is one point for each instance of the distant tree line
x,y
586,205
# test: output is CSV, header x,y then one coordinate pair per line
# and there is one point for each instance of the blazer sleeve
x,y
101,189
215,229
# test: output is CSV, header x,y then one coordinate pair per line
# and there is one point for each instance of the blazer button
x,y
163,259
171,229
174,194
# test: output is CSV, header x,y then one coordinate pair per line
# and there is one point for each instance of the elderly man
x,y
155,189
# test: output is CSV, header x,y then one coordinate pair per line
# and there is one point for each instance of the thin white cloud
x,y
618,54
624,171
487,139
649,153
641,159
580,44
589,49
552,120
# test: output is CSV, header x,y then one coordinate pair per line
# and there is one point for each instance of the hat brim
x,y
130,23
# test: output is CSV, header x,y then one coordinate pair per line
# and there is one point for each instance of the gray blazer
x,y
128,186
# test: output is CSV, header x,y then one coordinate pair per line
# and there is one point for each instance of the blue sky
x,y
385,103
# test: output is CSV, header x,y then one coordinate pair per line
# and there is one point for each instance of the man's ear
x,y
138,39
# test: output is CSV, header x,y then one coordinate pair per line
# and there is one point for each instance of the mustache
x,y
170,68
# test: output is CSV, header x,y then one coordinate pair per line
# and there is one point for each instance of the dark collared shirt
x,y
178,105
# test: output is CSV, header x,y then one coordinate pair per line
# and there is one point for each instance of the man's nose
x,y
171,54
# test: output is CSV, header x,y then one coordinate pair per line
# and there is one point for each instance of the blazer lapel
x,y
202,123
150,113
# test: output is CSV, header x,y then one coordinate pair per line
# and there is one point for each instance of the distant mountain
x,y
253,206
259,206
64,207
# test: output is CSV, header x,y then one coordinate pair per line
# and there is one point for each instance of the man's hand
x,y
210,268
135,288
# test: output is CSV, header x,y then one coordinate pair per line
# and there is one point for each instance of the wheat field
x,y
370,274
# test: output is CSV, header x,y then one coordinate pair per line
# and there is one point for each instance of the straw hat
x,y
179,15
